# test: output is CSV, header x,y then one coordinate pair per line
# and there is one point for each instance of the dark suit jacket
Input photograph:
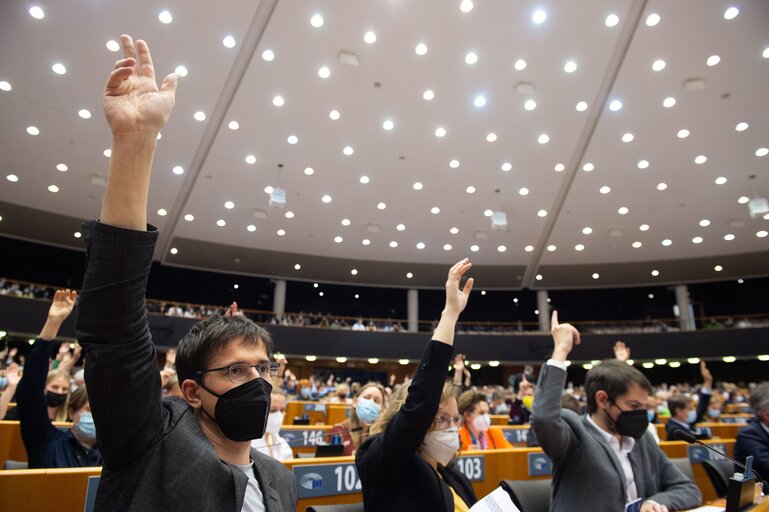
x,y
587,475
702,409
459,482
754,440
393,474
156,457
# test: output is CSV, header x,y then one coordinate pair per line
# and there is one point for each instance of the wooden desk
x,y
337,413
11,445
736,418
718,430
62,490
737,408
696,454
315,410
499,419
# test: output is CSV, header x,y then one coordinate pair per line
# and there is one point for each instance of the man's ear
x,y
191,392
601,399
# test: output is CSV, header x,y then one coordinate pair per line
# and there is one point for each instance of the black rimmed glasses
x,y
240,373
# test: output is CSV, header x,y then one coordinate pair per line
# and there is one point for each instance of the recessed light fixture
x,y
221,223
543,139
292,139
471,58
615,105
440,132
326,198
488,213
229,42
393,244
289,214
466,6
669,102
718,268
697,240
662,186
474,248
107,152
655,273
189,217
581,106
454,164
366,241
447,247
33,130
388,125
542,213
667,242
181,71
278,101
520,65
628,137
233,125
165,17
637,245
316,21
178,170
501,248
421,49
596,275
369,37
587,230
523,191
345,222
5,85
506,167
230,205
400,227
570,66
611,20
652,19
539,16
743,200
420,245
470,189
761,234
428,95
53,188
364,179
37,12
704,223
579,247
683,133
174,250
381,206
324,72
731,13
417,186
162,212
338,239
742,126
281,232
268,55
538,277
762,152
334,115
551,248
700,159
528,248
435,210
250,159
720,180
491,137
658,65
588,167
643,164
604,190
623,210
643,227
559,167
199,115
713,60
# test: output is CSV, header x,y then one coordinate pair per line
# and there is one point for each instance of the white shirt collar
x,y
765,427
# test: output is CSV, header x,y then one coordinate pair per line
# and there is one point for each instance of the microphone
x,y
683,435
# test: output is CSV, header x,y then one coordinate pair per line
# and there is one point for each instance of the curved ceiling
x,y
566,125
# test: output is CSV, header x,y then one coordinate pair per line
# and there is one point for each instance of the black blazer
x,y
459,482
702,409
156,457
754,440
392,473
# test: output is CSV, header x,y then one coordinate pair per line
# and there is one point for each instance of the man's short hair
x,y
207,337
678,402
614,377
759,398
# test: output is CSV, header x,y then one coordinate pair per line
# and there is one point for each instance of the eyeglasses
x,y
240,373
443,422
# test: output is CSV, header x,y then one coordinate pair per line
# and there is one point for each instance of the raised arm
x,y
553,433
121,366
706,392
13,374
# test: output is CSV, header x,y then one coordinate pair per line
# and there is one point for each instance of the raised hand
x,y
13,373
621,351
170,358
459,362
707,378
565,336
132,101
61,307
456,298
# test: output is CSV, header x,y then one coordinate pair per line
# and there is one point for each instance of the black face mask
x,y
631,423
55,399
241,412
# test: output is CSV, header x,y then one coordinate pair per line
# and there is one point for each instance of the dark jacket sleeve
x,y
554,435
405,433
754,440
31,403
121,369
702,405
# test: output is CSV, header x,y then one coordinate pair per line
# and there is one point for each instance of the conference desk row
x,y
328,480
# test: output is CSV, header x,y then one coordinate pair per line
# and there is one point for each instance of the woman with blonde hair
x,y
366,408
416,436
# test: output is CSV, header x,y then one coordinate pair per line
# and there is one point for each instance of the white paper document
x,y
708,508
497,501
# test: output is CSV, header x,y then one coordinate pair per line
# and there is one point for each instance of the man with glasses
x,y
166,454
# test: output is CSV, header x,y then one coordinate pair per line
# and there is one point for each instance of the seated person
x,y
271,443
682,412
520,408
498,401
603,460
366,407
476,432
417,433
714,410
341,395
754,439
46,445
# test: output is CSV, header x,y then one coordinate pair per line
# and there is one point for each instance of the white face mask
x,y
482,422
441,445
274,422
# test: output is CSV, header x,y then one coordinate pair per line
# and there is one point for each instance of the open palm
x,y
61,307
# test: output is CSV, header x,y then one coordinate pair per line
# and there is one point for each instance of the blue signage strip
x,y
90,493
699,453
516,435
473,467
304,437
315,407
319,480
540,465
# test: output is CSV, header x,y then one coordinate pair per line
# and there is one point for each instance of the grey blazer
x,y
587,475
156,457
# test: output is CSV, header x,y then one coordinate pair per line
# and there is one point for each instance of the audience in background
x,y
683,414
271,443
476,432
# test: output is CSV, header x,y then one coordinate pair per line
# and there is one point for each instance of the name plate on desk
x,y
699,453
90,493
473,467
319,480
516,435
304,437
315,407
540,465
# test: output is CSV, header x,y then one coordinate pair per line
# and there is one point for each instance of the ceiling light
x,y
364,179
761,234
720,180
731,13
107,152
559,167
543,139
700,159
488,212
470,189
655,273
741,127
579,247
588,167
539,16
538,277
181,71
420,245
345,222
324,72
466,6
765,53
36,12
615,105
542,213
250,159
523,191
165,17
381,206
628,137
643,164
281,232
428,95
404,362
326,198
623,210
268,55
667,242
743,200
233,125
474,248
388,125
289,214
644,227
471,58
447,247
421,49
316,21
189,217
658,65
596,275
278,101
528,248
507,166
762,152
229,42
611,20
713,60
311,358
292,139
551,248
435,210
86,114
400,227
230,205
162,212
200,116
682,134
570,66
393,244
662,186
417,186
581,106
501,248
491,137
174,250
366,241
221,223
334,115
440,132
652,19
637,245
668,102
53,188
604,190
704,223
338,239
369,37
479,101
33,130
520,65
728,237
59,68
454,164
587,230
5,86
697,240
